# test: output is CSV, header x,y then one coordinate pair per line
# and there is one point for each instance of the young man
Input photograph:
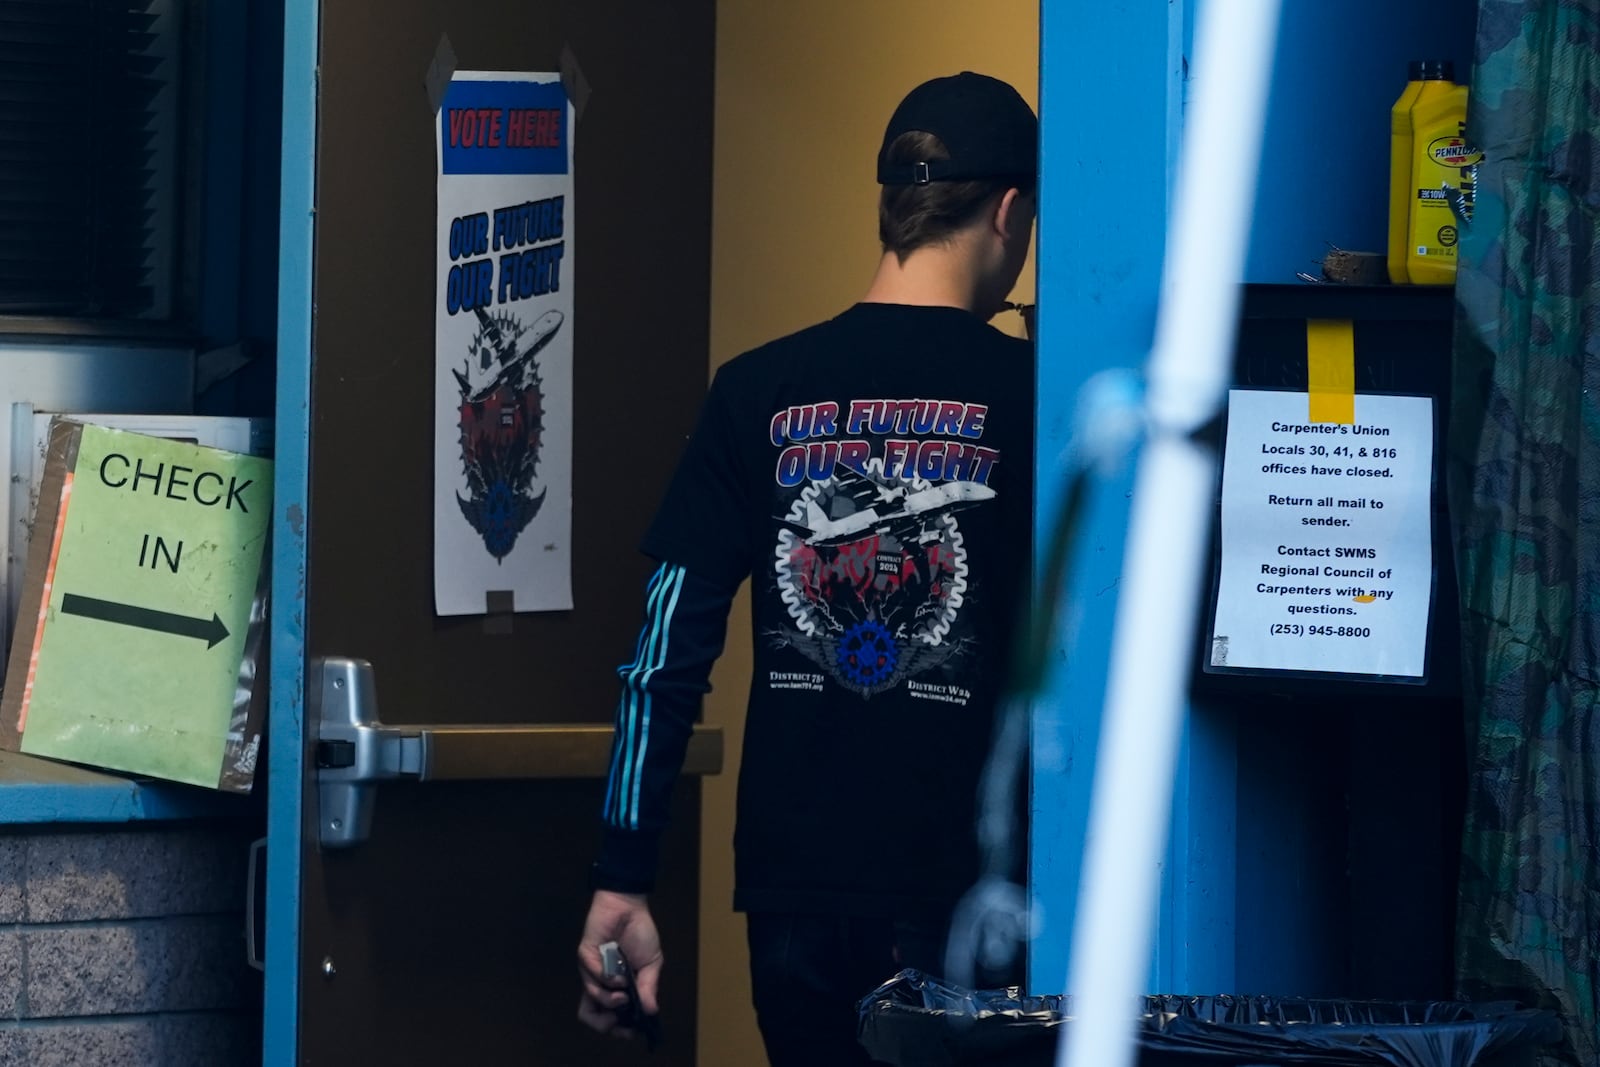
x,y
871,476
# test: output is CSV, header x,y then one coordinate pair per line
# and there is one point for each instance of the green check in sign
x,y
153,565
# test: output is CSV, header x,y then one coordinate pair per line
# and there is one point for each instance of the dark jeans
x,y
807,973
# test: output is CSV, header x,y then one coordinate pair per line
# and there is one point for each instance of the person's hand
x,y
623,918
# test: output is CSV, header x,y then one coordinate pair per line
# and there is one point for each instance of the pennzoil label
x,y
1453,152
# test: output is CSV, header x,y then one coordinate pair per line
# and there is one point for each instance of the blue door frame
x,y
1111,108
291,483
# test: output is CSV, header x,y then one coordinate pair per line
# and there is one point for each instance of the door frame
x,y
291,484
1123,152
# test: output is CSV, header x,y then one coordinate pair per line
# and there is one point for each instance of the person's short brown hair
x,y
913,216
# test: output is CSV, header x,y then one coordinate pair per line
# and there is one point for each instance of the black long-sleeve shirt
x,y
871,476
686,620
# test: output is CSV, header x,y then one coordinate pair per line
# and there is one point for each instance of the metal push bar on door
x,y
354,750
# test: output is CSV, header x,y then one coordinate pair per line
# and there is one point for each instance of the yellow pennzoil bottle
x,y
1400,192
1442,174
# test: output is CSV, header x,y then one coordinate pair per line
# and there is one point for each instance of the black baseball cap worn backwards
x,y
990,130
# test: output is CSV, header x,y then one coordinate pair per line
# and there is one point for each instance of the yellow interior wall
x,y
803,94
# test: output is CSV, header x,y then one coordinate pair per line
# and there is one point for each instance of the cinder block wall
x,y
124,947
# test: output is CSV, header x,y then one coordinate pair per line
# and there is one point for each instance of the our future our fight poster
x,y
503,331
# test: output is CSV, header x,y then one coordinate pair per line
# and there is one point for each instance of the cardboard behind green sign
x,y
142,623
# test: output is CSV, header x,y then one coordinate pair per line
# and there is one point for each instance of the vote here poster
x,y
1327,554
502,513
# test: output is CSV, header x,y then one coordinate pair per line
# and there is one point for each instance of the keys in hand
x,y
631,1016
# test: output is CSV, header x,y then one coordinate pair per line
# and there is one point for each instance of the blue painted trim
x,y
114,801
1111,96
285,767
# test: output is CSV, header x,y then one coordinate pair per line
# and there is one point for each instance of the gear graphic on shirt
x,y
873,587
867,654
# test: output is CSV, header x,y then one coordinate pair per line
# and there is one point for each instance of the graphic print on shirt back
x,y
870,559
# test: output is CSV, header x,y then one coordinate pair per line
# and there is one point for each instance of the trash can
x,y
913,1020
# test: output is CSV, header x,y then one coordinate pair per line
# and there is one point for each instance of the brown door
x,y
448,937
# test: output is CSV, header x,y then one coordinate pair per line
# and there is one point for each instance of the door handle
x,y
252,918
354,750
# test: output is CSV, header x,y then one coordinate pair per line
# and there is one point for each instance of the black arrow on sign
x,y
211,630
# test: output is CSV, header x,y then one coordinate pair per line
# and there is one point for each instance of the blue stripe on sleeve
x,y
627,706
661,659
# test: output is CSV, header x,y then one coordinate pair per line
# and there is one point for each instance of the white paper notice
x,y
1327,554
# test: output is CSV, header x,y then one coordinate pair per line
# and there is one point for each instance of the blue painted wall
x,y
1310,920
1110,93
1251,889
1325,164
1113,91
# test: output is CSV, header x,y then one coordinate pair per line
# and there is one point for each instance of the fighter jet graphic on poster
x,y
900,512
502,359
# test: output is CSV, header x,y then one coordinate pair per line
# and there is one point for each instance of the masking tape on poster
x,y
573,81
440,70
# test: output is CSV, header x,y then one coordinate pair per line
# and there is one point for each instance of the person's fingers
x,y
648,983
605,998
596,1017
589,959
589,970
601,981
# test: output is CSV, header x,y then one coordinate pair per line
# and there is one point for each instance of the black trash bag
x,y
913,1019
1225,1030
917,1021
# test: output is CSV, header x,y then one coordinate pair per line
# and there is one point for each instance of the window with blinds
x,y
90,157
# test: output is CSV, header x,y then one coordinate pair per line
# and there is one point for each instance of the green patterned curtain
x,y
1525,497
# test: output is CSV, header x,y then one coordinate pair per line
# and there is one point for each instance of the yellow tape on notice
x,y
1331,370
